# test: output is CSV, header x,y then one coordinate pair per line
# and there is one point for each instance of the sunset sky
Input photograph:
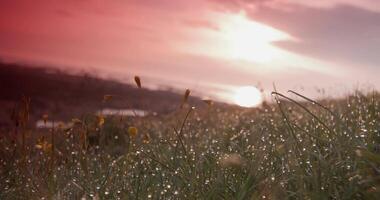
x,y
212,47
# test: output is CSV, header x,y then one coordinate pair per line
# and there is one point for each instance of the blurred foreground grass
x,y
289,149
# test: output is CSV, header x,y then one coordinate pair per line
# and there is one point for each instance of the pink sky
x,y
200,44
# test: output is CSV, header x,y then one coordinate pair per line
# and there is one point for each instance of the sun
x,y
237,37
247,96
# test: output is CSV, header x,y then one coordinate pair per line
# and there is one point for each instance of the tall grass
x,y
293,148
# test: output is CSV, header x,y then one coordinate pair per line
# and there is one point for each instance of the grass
x,y
293,148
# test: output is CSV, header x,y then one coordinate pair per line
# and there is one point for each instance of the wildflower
x,y
132,131
138,81
100,119
43,145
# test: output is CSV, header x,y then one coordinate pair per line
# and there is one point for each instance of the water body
x,y
41,124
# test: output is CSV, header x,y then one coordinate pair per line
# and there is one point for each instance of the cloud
x,y
339,32
370,5
342,34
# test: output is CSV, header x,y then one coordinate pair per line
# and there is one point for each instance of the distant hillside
x,y
64,96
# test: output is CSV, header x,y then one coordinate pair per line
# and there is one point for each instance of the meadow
x,y
290,147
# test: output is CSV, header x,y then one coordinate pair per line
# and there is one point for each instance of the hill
x,y
63,95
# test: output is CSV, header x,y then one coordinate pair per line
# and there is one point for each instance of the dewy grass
x,y
286,150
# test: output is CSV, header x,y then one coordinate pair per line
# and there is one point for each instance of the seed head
x,y
100,119
185,97
132,131
138,81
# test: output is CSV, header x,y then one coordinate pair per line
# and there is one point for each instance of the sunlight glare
x,y
249,40
247,96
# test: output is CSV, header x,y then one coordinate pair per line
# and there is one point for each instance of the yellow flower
x,y
100,119
132,131
43,145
